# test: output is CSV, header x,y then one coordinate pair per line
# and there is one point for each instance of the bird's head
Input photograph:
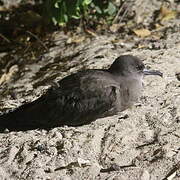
x,y
128,65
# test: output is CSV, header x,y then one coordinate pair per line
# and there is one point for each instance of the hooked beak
x,y
152,72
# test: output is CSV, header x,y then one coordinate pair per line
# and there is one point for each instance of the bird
x,y
83,97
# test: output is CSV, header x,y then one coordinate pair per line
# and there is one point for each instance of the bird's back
x,y
78,99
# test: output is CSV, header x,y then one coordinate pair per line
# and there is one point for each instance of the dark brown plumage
x,y
82,97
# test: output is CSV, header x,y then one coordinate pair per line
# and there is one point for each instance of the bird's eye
x,y
140,67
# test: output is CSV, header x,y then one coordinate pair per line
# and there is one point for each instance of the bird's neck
x,y
133,85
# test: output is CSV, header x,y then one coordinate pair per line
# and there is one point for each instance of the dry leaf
x,y
91,32
2,8
142,32
158,26
75,39
141,46
8,76
115,27
166,14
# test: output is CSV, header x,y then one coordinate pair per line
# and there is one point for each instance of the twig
x,y
147,144
125,12
5,38
118,13
27,48
115,167
172,171
38,40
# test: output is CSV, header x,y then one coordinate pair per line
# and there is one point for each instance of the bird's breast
x,y
129,93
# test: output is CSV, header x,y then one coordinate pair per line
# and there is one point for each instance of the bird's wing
x,y
80,99
90,96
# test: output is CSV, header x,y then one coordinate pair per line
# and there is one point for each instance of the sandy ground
x,y
142,143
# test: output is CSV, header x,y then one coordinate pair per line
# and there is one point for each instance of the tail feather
x,y
29,116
